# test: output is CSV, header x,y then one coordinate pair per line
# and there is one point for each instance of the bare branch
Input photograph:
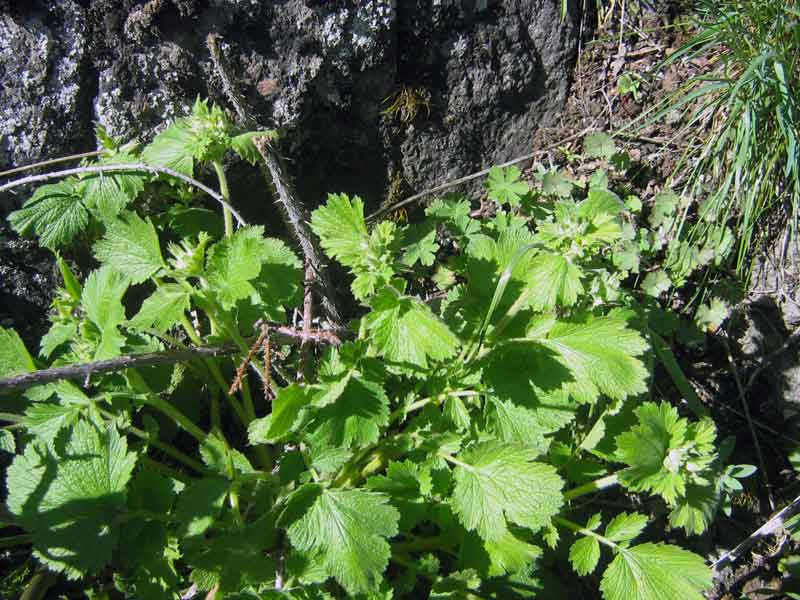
x,y
771,527
125,167
456,182
283,335
297,222
275,170
52,161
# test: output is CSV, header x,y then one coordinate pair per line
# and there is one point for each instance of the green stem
x,y
593,486
181,419
216,419
223,189
154,400
164,469
455,461
583,531
233,496
11,417
163,446
402,411
213,368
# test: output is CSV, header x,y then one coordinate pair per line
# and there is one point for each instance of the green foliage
x,y
745,167
55,213
69,495
436,452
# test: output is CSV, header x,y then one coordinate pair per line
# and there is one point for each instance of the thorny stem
x,y
592,486
225,191
52,161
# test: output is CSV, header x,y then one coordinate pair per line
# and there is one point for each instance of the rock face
x,y
368,92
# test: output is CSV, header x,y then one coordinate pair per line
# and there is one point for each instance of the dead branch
x,y
297,222
456,182
51,161
273,169
771,527
283,335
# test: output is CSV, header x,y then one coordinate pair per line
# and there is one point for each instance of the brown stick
x,y
771,527
455,182
297,222
273,168
283,334
308,316
52,161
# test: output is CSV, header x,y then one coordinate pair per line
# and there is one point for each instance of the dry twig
x,y
283,334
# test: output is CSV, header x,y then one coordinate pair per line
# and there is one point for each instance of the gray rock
x,y
42,111
483,74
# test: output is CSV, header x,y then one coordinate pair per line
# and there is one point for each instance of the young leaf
x,y
496,482
58,334
45,420
14,356
172,148
233,263
130,246
505,185
106,194
350,412
348,528
509,554
285,410
70,498
243,144
407,484
710,316
663,451
7,441
102,302
163,309
601,354
654,572
404,330
625,527
420,245
554,281
656,283
664,208
199,505
54,213
599,145
584,554
556,184
341,228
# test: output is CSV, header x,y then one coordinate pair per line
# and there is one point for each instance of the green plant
x,y
440,450
742,118
629,83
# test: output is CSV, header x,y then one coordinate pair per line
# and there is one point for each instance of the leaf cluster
x,y
496,371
